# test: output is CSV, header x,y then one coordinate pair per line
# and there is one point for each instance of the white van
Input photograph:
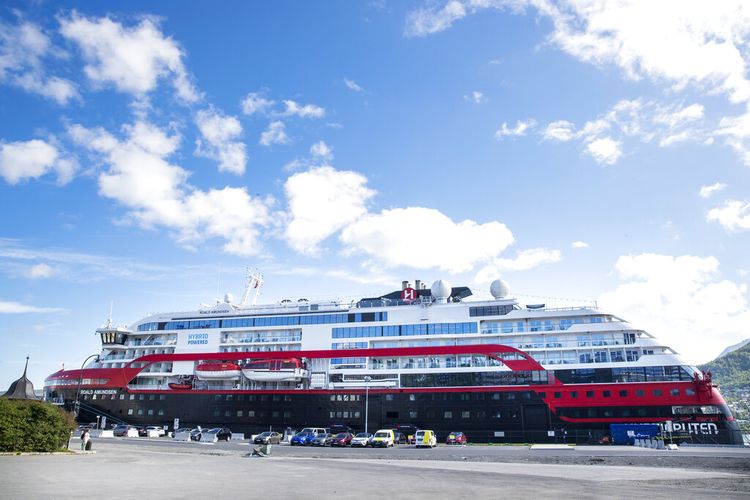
x,y
425,439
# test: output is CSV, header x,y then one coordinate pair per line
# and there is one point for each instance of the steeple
x,y
21,388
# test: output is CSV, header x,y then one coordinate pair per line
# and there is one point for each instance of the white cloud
x,y
707,191
476,97
255,103
734,216
219,132
681,116
579,244
20,161
156,193
672,42
561,130
519,130
18,308
40,270
274,134
682,301
322,201
604,150
303,111
132,59
352,85
322,151
22,51
525,260
422,22
425,238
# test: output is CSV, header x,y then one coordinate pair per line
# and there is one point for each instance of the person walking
x,y
85,437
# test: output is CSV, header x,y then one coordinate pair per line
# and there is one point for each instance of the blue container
x,y
627,433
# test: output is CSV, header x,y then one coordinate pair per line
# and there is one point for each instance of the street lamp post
x,y
367,399
76,406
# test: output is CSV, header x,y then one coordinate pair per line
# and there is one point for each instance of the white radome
x,y
441,290
499,289
228,298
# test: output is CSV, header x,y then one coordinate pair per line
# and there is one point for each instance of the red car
x,y
341,439
456,438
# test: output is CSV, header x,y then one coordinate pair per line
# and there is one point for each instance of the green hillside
x,y
732,371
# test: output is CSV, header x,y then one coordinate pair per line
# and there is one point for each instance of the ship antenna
x,y
253,282
109,320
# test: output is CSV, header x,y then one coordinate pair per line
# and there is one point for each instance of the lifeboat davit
x,y
274,370
218,371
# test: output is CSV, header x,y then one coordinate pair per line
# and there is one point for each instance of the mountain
x,y
731,371
733,348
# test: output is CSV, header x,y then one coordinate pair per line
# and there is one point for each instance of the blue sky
x,y
577,149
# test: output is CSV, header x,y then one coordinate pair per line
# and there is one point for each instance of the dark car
x,y
195,434
456,438
400,438
221,433
268,437
122,430
342,439
142,432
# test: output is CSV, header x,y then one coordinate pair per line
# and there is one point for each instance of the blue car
x,y
306,436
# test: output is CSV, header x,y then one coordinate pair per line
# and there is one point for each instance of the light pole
x,y
367,399
76,406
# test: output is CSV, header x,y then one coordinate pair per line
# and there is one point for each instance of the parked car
x,y
305,436
268,437
383,438
425,439
361,440
321,439
158,428
195,434
342,439
400,438
220,433
456,438
410,430
142,431
122,430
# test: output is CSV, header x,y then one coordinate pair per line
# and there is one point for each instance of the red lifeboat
x,y
218,371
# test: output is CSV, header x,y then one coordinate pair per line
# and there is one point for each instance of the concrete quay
x,y
136,468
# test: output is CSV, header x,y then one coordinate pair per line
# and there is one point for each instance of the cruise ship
x,y
432,358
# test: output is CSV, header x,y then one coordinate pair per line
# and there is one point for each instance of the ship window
x,y
623,394
151,412
240,413
606,394
161,397
412,397
412,414
542,395
448,414
642,412
161,413
151,397
465,414
495,395
132,397
227,413
141,397
657,392
558,395
573,394
217,397
674,392
140,412
689,392
122,396
250,413
389,397
640,393
130,411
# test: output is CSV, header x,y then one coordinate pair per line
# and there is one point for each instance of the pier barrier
x,y
182,436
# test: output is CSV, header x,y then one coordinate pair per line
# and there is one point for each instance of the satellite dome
x,y
228,298
441,290
499,289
